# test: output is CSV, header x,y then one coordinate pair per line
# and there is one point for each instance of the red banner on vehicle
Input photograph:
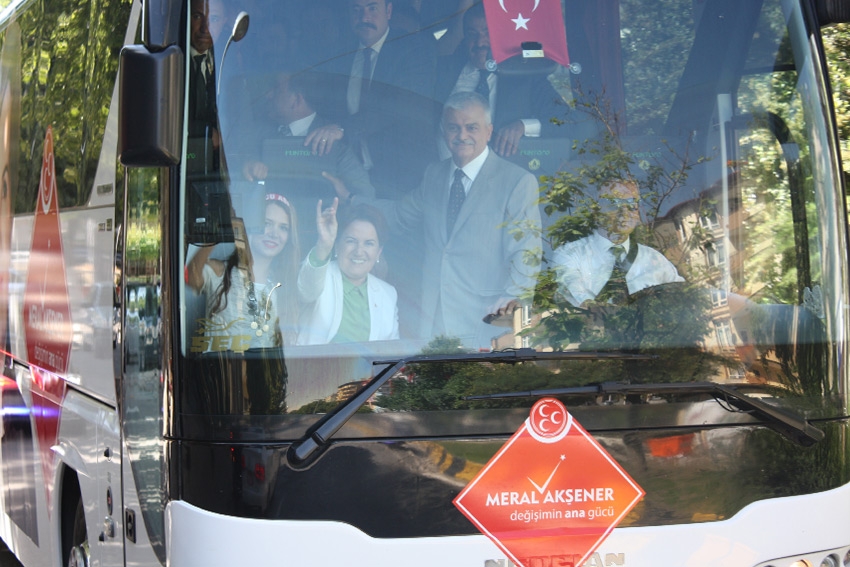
x,y
514,22
47,313
47,316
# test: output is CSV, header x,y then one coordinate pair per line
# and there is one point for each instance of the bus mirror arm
x,y
306,450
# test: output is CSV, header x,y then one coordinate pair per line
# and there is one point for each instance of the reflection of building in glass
x,y
721,251
348,390
521,332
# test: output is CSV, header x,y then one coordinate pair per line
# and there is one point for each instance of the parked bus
x,y
204,365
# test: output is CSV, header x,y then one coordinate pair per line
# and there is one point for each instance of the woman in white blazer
x,y
344,301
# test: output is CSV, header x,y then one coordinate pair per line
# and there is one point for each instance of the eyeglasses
x,y
617,203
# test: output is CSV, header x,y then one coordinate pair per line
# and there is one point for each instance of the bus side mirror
x,y
150,94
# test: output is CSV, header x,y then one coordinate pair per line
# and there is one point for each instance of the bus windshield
x,y
365,182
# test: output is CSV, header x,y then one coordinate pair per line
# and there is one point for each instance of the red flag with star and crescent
x,y
512,22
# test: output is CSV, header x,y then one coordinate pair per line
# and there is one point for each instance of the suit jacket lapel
x,y
381,73
477,190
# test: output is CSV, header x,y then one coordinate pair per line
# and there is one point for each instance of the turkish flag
x,y
512,22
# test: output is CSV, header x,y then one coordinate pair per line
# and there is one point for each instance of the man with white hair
x,y
480,228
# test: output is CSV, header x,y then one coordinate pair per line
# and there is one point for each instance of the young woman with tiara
x,y
251,299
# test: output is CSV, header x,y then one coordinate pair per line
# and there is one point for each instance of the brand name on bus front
x,y
569,560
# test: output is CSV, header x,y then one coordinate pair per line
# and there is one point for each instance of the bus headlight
x,y
828,561
826,558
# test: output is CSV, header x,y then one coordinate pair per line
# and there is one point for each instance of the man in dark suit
x,y
480,225
206,21
383,99
294,115
522,105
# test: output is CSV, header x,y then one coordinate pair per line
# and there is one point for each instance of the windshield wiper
x,y
312,444
785,422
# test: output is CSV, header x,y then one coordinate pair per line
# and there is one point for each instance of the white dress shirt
x,y
470,170
208,66
301,127
584,267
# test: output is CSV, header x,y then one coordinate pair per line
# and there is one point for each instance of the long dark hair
x,y
283,270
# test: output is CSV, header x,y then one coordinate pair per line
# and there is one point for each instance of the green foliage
x,y
432,386
445,386
677,315
143,242
836,43
69,64
654,36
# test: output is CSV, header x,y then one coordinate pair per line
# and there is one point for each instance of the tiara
x,y
277,197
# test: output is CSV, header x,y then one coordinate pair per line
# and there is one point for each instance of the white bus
x,y
201,368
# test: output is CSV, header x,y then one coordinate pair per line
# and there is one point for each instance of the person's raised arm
x,y
311,276
195,269
401,215
255,171
327,226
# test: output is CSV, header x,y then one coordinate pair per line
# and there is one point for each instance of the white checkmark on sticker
x,y
542,489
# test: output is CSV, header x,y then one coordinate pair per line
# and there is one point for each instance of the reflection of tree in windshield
x,y
445,385
728,241
683,320
668,313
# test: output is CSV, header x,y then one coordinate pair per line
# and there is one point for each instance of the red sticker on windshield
x,y
552,491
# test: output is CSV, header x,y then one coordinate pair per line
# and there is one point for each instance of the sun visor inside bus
x,y
209,213
150,106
